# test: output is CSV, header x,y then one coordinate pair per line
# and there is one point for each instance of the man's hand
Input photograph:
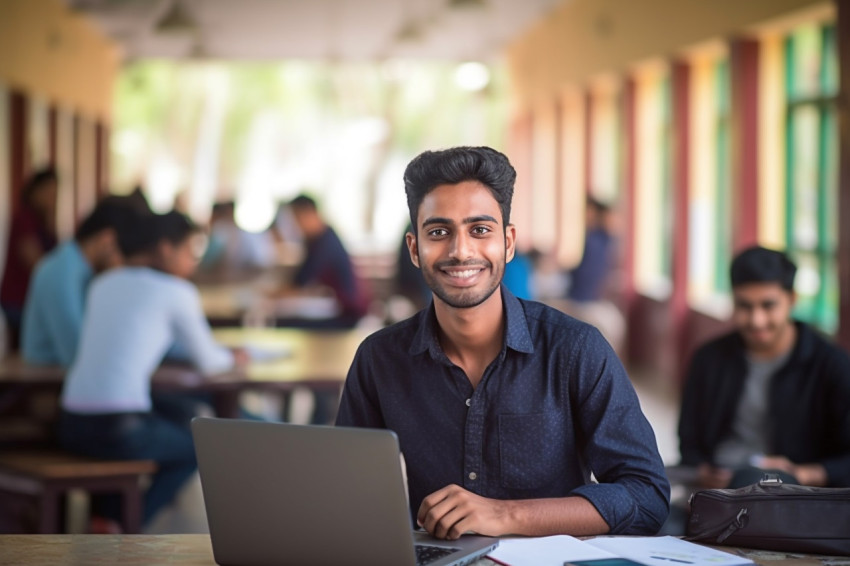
x,y
241,357
452,511
712,477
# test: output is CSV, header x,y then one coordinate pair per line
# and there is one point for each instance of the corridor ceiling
x,y
313,29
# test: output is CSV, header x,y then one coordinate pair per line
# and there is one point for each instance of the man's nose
x,y
758,318
461,246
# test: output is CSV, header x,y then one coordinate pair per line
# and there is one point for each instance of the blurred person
x,y
53,313
503,407
589,280
231,250
134,314
32,235
772,395
325,269
409,282
519,274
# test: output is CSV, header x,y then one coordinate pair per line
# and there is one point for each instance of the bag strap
x,y
740,522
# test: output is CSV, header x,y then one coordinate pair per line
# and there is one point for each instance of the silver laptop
x,y
280,494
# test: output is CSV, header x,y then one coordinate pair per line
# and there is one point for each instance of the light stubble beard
x,y
466,299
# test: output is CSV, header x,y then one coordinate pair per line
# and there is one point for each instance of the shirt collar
x,y
517,336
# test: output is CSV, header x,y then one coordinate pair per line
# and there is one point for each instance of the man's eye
x,y
480,230
438,232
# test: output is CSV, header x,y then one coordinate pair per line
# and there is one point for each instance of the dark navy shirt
x,y
587,280
552,408
327,263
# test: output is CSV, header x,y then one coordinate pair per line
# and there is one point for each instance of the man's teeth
x,y
464,274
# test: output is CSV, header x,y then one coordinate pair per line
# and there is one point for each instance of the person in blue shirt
x,y
589,277
134,314
503,407
53,312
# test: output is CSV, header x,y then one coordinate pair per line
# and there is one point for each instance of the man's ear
x,y
412,247
510,242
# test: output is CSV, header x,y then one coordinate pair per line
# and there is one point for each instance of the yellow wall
x,y
48,51
583,38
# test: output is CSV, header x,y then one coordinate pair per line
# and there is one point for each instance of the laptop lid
x,y
279,493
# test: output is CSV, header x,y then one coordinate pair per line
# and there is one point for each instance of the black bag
x,y
771,515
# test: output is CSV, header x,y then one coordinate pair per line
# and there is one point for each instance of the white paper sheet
x,y
545,551
666,551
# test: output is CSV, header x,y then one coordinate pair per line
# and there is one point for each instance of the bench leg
x,y
131,507
48,516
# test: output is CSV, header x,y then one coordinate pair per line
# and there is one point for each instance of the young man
x,y
326,266
53,312
134,314
772,395
503,407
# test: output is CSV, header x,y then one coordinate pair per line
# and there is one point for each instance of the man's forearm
x,y
564,515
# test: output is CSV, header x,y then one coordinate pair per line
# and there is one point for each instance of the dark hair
x,y
37,181
303,202
455,165
597,205
110,212
175,227
761,265
142,233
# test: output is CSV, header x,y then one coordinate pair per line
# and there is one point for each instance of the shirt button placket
x,y
473,448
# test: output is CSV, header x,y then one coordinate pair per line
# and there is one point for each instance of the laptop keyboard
x,y
425,554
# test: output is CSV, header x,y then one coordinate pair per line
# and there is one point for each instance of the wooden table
x,y
195,550
318,359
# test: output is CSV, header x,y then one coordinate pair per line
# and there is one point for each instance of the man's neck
x,y
87,249
472,337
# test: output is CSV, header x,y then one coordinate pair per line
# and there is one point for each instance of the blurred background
x,y
704,127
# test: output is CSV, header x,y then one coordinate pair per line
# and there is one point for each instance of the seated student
x,y
53,312
326,266
133,315
772,395
503,407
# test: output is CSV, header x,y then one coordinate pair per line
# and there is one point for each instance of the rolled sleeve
x,y
633,493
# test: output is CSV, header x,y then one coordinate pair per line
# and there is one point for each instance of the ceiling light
x,y
464,4
176,20
472,76
410,32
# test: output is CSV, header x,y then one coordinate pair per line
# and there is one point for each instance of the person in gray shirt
x,y
772,395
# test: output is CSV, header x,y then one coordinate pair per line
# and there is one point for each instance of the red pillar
x,y
19,166
681,81
744,66
843,105
588,143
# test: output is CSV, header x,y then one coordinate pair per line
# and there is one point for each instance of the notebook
x,y
279,494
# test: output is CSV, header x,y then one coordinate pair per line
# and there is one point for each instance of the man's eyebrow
x,y
436,220
467,220
480,218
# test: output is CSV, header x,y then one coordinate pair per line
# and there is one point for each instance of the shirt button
x,y
469,402
473,476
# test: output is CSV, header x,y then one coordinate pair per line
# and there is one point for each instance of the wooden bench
x,y
45,475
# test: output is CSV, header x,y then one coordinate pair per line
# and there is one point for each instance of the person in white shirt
x,y
134,315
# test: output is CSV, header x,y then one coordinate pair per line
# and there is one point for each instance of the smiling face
x,y
762,314
461,244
